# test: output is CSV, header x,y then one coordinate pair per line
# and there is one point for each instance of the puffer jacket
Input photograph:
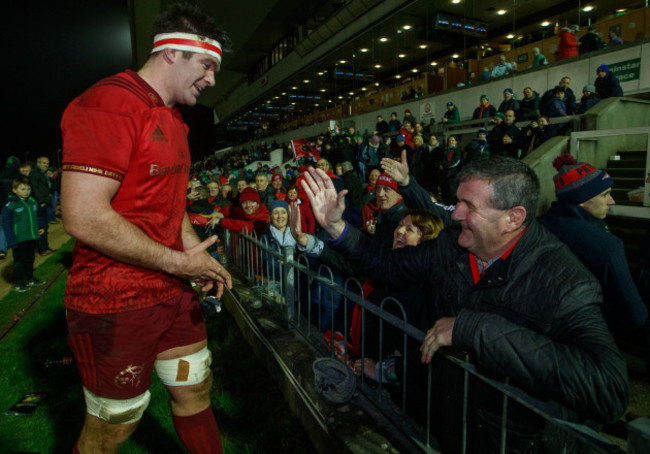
x,y
534,317
19,220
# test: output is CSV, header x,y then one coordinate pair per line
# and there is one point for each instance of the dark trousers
x,y
24,256
41,214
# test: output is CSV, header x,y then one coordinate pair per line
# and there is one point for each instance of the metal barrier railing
x,y
282,281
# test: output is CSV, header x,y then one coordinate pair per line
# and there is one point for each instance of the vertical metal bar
x,y
504,420
463,449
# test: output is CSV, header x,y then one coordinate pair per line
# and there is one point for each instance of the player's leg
x,y
185,371
115,370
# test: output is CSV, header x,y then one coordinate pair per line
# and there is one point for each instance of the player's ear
x,y
170,55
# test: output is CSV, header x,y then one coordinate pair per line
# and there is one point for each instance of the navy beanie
x,y
278,204
577,183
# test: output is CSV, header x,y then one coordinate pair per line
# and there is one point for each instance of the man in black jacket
x,y
607,84
41,192
511,297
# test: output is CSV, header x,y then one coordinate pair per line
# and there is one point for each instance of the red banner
x,y
304,151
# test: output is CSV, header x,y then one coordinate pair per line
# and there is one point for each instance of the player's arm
x,y
189,236
89,217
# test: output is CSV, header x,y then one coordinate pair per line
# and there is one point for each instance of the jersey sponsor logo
x,y
157,170
95,170
158,135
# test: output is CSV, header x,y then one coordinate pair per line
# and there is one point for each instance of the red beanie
x,y
385,180
276,176
249,194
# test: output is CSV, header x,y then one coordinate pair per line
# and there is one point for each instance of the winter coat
x,y
529,107
604,255
568,46
19,220
608,86
587,102
487,111
534,317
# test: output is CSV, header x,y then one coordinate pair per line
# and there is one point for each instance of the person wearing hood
x,y
607,84
577,218
568,45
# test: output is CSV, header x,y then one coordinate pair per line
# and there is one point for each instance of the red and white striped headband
x,y
187,42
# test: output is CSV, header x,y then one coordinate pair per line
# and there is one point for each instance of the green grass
x,y
250,410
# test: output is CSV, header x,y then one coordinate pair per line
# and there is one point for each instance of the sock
x,y
199,432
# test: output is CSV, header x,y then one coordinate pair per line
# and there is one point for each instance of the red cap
x,y
385,180
276,176
249,194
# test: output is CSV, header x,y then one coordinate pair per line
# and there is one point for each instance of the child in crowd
x,y
26,168
22,231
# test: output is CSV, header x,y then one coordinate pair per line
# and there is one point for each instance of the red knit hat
x,y
276,176
385,180
249,194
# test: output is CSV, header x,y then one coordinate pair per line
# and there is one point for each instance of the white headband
x,y
187,42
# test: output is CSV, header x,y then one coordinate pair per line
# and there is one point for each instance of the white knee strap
x,y
187,370
117,411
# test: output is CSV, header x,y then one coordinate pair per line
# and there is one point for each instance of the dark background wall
x,y
56,50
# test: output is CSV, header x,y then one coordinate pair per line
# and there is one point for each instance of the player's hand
x,y
195,264
438,336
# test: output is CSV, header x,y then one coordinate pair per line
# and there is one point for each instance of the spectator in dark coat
x,y
41,193
556,107
394,124
529,105
607,84
589,98
506,139
577,219
9,174
509,102
569,98
590,41
477,148
381,126
484,109
539,132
